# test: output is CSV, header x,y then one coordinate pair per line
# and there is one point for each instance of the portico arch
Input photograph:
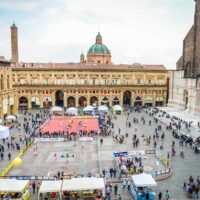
x,y
59,98
71,102
105,101
115,101
23,103
94,101
82,101
127,98
138,101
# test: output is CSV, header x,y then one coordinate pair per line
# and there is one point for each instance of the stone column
x,y
154,98
53,99
65,99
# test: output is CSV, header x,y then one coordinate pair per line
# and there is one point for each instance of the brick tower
x,y
196,61
14,43
190,59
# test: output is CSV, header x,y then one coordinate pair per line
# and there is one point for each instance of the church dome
x,y
98,48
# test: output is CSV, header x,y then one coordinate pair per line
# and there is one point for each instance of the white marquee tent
x,y
103,108
4,132
12,185
72,111
88,108
80,184
50,186
11,117
117,107
144,180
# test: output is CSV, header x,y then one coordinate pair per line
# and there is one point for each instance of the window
x,y
99,61
149,81
138,81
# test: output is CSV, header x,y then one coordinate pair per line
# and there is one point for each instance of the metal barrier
x,y
152,151
164,171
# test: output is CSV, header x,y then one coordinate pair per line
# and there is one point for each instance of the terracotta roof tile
x,y
79,66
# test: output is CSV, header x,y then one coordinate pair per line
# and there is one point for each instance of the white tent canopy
x,y
88,108
11,117
103,108
72,110
117,107
56,108
79,184
144,180
12,185
4,132
50,186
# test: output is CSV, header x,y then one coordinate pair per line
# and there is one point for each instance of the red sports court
x,y
71,124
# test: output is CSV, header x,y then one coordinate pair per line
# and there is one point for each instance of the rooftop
x,y
79,66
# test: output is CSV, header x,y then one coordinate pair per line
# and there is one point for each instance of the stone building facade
x,y
78,85
8,95
184,87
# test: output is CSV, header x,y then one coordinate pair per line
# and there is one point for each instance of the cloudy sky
x,y
145,31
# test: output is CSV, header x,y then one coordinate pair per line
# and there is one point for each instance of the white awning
x,y
50,186
34,99
144,180
72,110
4,132
48,99
103,108
80,184
13,185
56,108
117,107
11,117
88,108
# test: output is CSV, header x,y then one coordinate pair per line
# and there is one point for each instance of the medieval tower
x,y
14,43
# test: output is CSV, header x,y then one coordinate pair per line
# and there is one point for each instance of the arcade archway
x,y
105,101
127,98
71,102
82,102
94,101
115,101
59,98
138,101
23,103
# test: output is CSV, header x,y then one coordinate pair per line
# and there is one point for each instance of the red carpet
x,y
71,124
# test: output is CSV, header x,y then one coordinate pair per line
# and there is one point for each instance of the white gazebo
x,y
117,109
144,180
72,111
11,117
103,108
4,132
81,184
13,185
50,186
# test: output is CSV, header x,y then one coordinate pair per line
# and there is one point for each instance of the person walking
x,y
124,184
114,172
119,197
167,195
33,187
9,156
101,141
160,196
2,155
116,188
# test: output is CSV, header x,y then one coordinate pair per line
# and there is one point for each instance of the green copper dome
x,y
98,48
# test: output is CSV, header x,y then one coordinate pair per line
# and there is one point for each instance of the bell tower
x,y
14,43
